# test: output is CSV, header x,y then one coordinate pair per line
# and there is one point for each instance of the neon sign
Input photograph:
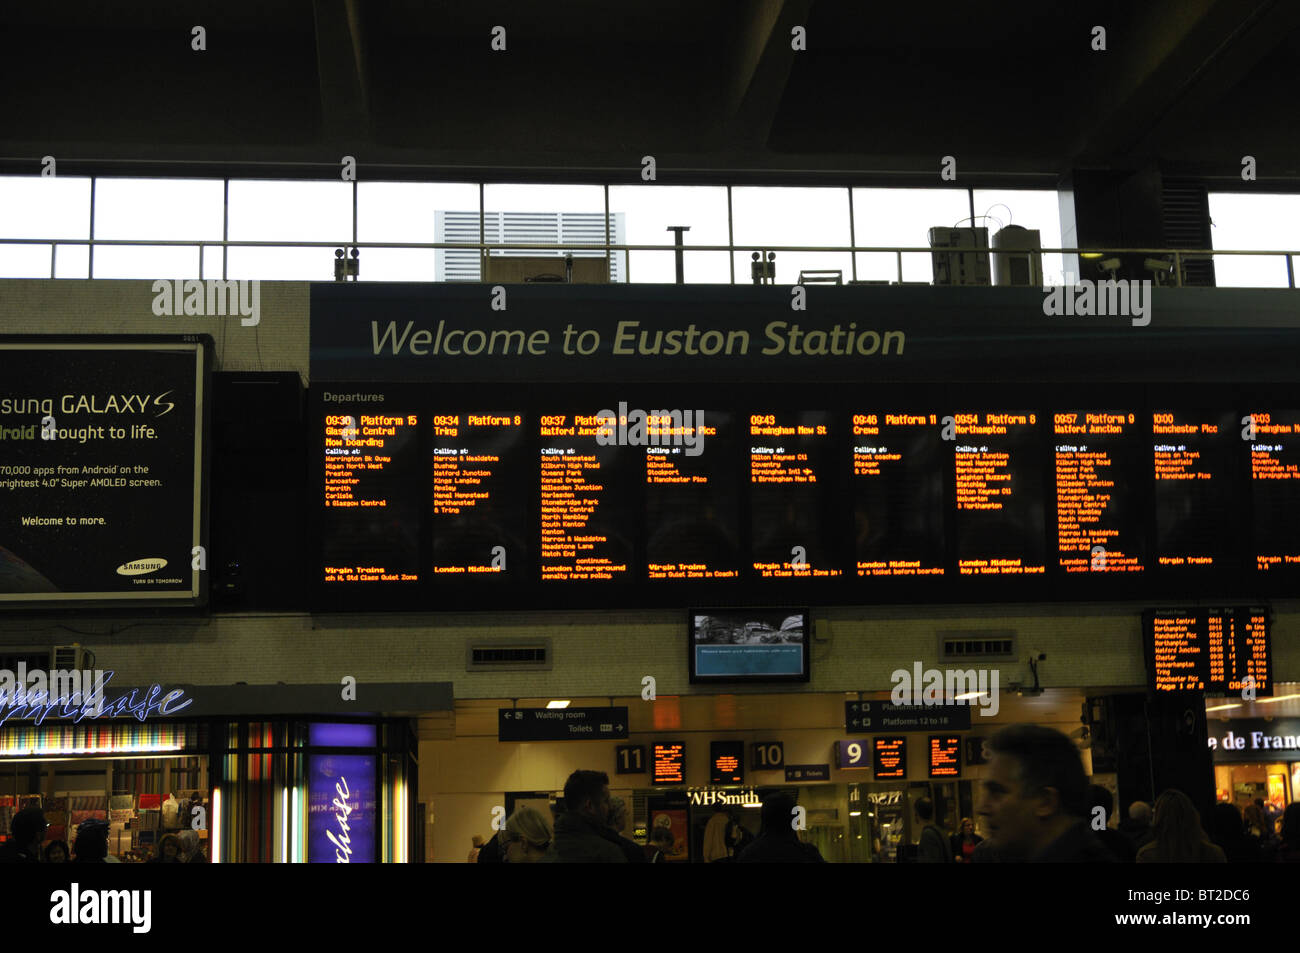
x,y
17,701
341,812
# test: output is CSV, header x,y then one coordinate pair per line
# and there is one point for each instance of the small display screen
x,y
668,760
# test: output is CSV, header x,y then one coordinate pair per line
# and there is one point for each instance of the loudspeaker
x,y
259,555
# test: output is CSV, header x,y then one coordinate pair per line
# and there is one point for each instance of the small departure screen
x,y
726,762
945,756
668,763
889,757
1216,651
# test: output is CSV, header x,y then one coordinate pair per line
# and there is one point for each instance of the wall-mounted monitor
x,y
102,470
668,762
749,645
1218,651
726,762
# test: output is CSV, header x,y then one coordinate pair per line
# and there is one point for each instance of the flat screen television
x,y
749,645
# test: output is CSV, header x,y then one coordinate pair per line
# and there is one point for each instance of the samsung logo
x,y
141,567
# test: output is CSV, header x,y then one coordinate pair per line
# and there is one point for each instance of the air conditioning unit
x,y
966,260
1017,257
69,658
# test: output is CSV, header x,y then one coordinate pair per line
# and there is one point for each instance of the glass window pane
x,y
280,211
146,261
404,211
539,214
398,264
1253,222
648,210
24,261
903,217
160,209
282,264
1036,209
35,206
792,216
72,261
211,261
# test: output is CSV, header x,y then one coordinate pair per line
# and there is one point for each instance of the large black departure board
x,y
609,495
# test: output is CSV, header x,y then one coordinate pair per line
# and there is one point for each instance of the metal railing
x,y
1176,257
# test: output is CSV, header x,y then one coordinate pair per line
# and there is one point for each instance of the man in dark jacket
x,y
1113,840
582,833
777,842
26,831
1138,826
933,847
1034,799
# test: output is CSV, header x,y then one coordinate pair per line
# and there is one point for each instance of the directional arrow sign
x,y
561,724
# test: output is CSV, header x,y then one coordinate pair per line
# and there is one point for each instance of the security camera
x,y
1109,265
1158,264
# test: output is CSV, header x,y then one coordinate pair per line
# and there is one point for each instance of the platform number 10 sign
x,y
767,756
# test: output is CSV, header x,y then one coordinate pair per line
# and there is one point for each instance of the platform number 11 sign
x,y
629,759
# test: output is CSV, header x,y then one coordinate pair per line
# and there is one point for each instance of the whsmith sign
x,y
480,333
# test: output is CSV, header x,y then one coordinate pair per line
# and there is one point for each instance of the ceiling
x,y
584,89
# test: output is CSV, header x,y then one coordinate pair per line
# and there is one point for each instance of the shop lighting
x,y
1276,698
558,704
1223,707
967,696
855,813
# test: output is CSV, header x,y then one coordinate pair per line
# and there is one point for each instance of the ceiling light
x,y
1275,698
1224,707
558,704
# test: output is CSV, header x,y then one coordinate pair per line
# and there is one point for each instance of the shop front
x,y
278,786
1256,760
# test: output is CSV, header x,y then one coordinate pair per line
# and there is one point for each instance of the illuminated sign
x,y
427,499
889,757
945,756
1254,739
703,797
669,763
341,809
726,762
17,701
853,753
1217,651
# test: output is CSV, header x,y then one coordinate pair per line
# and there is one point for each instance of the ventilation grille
x,y
1186,208
505,657
584,228
955,646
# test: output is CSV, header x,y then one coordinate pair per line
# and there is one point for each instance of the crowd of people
x,y
1036,806
90,846
591,829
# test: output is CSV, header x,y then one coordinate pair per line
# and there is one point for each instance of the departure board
x,y
999,493
1275,489
898,492
790,457
480,514
591,496
585,499
1193,454
889,757
1098,525
945,756
371,502
1216,651
692,507
668,763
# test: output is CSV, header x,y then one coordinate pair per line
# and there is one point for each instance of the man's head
x,y
1033,787
28,828
1139,812
924,809
777,814
587,792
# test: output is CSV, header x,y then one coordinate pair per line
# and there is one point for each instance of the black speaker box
x,y
259,555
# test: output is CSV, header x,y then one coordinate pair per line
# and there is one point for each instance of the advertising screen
x,y
102,470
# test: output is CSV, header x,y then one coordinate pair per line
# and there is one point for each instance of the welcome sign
x,y
341,809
